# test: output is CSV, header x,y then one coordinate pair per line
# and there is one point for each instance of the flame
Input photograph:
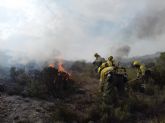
x,y
61,68
62,73
51,66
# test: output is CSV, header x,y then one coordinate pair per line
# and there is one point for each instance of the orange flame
x,y
61,68
51,66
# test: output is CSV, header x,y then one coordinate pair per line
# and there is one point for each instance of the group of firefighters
x,y
103,67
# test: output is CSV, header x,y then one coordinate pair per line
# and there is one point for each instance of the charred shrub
x,y
45,83
37,88
83,68
58,84
17,82
160,70
65,114
50,83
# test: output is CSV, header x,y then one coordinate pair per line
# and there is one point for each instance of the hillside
x,y
25,99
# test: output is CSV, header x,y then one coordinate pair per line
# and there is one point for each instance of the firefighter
x,y
104,69
109,65
107,85
140,69
103,74
143,74
98,61
110,61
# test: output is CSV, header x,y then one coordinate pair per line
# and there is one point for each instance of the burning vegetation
x,y
50,81
75,96
57,80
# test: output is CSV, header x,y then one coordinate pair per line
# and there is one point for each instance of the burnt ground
x,y
15,109
18,109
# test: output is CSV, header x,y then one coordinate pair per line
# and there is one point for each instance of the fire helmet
x,y
136,63
110,58
96,55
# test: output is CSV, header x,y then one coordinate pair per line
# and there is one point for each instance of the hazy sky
x,y
76,29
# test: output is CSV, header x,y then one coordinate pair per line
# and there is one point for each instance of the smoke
x,y
44,30
120,51
123,51
4,59
31,31
149,24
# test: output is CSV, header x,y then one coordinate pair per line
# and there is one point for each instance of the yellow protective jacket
x,y
103,70
141,70
103,65
106,64
111,63
103,76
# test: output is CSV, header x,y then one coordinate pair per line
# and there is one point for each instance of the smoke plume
x,y
123,51
44,30
149,24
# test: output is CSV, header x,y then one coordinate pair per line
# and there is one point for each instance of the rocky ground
x,y
16,109
19,109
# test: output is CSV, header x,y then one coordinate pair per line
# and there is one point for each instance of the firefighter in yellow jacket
x,y
103,70
142,73
110,61
98,61
140,68
105,67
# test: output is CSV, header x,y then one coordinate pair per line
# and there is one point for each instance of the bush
x,y
160,69
93,113
37,88
83,67
64,114
42,84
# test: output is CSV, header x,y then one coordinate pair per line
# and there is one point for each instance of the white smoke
x,y
44,30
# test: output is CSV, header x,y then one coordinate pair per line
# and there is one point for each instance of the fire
x,y
51,65
62,73
61,68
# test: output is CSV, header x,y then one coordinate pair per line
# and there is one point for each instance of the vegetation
x,y
41,84
86,105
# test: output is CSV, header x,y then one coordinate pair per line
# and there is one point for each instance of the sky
x,y
43,30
